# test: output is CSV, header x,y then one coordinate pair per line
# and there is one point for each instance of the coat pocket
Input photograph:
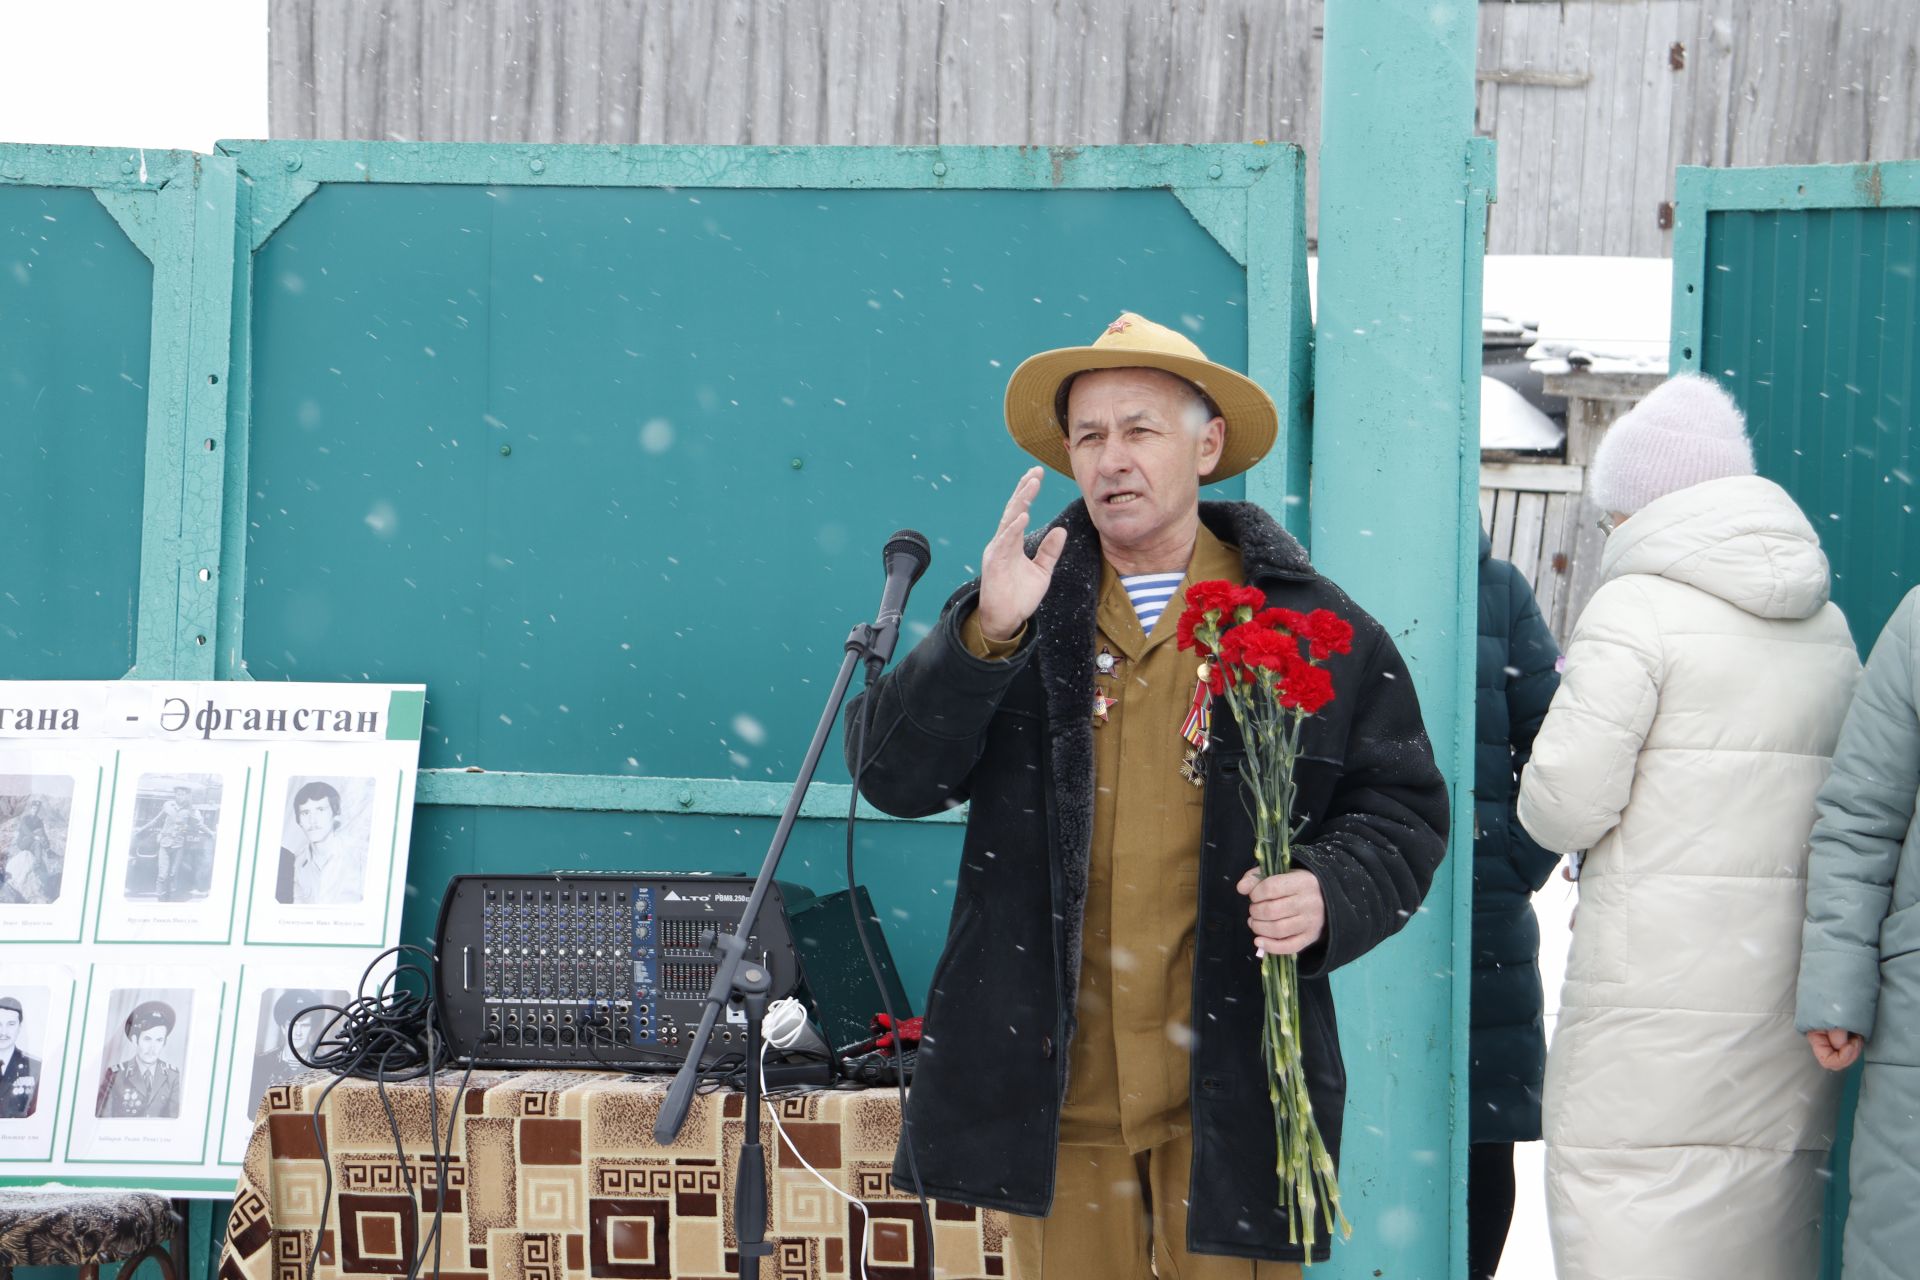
x,y
1896,1028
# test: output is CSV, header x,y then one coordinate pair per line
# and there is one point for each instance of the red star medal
x,y
1101,702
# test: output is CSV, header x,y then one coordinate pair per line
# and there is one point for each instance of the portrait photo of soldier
x,y
323,843
285,1033
174,820
144,1056
19,1072
34,812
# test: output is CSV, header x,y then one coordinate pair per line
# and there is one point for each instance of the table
x,y
556,1174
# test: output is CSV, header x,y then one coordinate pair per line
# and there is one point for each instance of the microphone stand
x,y
750,983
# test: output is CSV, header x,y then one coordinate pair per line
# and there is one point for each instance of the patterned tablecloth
x,y
556,1174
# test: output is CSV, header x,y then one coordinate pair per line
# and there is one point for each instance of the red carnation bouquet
x,y
1268,664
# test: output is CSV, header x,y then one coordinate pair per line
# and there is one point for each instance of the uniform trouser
x,y
1122,1215
169,863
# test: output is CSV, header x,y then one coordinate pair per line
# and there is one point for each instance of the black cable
x,y
873,964
386,1034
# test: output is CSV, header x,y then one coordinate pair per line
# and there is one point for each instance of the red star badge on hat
x,y
1119,326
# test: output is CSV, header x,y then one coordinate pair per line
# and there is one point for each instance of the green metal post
x,y
1395,467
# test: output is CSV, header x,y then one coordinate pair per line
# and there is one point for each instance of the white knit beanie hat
x,y
1686,432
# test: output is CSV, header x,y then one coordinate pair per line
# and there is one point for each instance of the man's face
x,y
316,819
1136,461
299,1032
9,1031
149,1044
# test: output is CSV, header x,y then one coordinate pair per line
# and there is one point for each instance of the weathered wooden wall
x,y
1591,114
1595,103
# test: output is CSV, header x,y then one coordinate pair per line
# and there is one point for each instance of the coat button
x,y
1210,1083
1046,1046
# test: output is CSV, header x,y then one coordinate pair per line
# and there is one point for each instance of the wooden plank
x,y
1583,577
1516,194
1503,505
1650,176
1707,84
1486,99
1894,106
1530,513
1538,477
1536,137
1486,510
1555,554
290,91
1570,111
1589,211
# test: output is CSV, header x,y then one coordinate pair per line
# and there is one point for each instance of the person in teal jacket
x,y
1859,992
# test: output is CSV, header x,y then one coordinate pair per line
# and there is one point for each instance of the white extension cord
x,y
784,1027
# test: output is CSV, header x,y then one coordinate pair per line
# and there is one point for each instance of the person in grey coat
x,y
1859,993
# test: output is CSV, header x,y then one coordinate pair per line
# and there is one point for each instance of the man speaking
x,y
1092,1059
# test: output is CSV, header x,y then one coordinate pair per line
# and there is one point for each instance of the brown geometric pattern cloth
x,y
555,1175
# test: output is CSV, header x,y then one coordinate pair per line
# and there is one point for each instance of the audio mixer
x,y
597,969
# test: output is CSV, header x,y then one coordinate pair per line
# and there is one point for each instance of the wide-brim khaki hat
x,y
1036,407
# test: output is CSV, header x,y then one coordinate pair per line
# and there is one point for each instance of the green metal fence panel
x,y
76,335
1799,289
114,313
601,444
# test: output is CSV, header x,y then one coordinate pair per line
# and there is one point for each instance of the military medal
x,y
1105,666
1193,729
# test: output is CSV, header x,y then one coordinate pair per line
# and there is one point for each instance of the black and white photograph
x,y
143,1062
326,828
284,1028
22,1029
35,813
175,818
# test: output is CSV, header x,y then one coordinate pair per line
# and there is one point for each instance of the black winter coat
x,y
1015,739
1517,679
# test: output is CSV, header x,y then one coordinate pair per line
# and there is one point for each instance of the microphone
x,y
906,557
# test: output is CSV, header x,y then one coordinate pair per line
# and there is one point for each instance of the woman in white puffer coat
x,y
1687,1127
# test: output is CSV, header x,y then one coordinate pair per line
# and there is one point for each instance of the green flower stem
x,y
1309,1183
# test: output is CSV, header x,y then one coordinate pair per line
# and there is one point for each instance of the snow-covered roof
x,y
1508,422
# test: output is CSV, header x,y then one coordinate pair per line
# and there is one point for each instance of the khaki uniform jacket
x,y
127,1091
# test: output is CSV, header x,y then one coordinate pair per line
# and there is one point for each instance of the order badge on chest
x,y
1107,666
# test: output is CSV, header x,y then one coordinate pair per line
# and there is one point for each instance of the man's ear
x,y
1213,442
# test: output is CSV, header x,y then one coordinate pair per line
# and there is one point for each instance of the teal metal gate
x,y
1799,289
600,444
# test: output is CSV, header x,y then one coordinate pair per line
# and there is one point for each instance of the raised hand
x,y
1011,583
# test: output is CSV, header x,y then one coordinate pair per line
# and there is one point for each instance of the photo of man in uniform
x,y
324,859
34,812
19,1074
283,1033
181,847
142,1084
